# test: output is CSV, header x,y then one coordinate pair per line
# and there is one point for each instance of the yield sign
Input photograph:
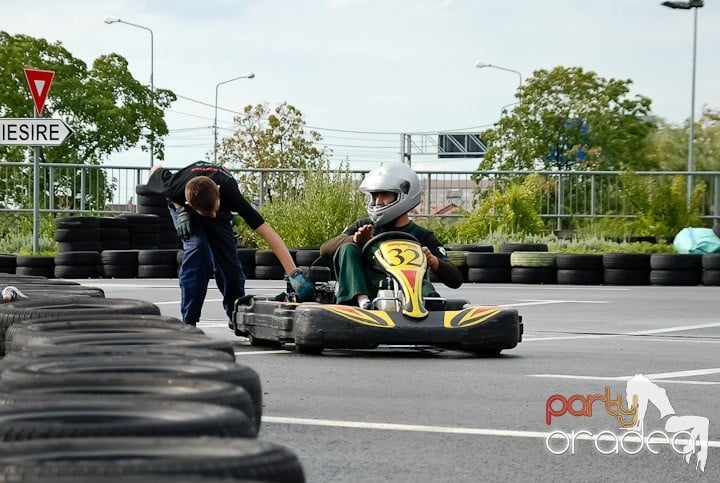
x,y
39,82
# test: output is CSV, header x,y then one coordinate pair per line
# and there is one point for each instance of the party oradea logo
x,y
686,435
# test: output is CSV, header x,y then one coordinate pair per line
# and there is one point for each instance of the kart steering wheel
x,y
392,235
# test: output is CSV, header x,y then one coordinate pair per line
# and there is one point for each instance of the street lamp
x,y
110,20
692,4
482,65
249,75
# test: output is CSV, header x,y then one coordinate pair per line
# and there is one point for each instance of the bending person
x,y
202,198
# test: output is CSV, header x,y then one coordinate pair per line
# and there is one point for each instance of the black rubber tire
x,y
470,247
573,261
313,350
306,257
35,290
157,257
711,277
76,271
157,271
626,261
522,247
44,272
76,234
22,420
92,367
489,275
115,245
113,222
19,335
114,234
135,219
119,257
237,458
134,339
533,275
119,271
676,277
77,222
126,387
488,260
80,246
266,258
580,277
21,358
711,261
675,261
269,272
35,261
614,276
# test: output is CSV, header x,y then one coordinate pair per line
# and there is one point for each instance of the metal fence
x,y
566,194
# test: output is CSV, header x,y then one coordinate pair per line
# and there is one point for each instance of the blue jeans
x,y
212,246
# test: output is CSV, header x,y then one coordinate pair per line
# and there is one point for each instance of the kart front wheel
x,y
314,350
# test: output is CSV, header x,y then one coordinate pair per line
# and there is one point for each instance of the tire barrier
x,y
117,374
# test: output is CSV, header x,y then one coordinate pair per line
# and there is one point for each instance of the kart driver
x,y
202,197
392,191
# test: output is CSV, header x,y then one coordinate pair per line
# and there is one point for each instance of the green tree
x,y
668,146
108,110
273,139
570,119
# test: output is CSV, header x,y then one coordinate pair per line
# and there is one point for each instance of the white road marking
x,y
254,353
446,429
666,330
665,377
526,302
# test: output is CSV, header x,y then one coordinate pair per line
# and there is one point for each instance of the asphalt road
x,y
419,414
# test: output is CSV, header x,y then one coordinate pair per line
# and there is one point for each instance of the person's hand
x,y
184,228
432,260
363,235
303,288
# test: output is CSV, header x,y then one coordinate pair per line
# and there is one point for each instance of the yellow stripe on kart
x,y
366,317
460,319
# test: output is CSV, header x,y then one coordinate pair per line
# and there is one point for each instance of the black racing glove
x,y
184,229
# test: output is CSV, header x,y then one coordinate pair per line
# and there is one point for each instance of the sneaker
x,y
11,293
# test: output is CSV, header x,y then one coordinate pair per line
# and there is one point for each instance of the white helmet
x,y
394,178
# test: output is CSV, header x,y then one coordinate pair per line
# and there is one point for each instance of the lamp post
x,y
482,65
692,4
249,75
110,20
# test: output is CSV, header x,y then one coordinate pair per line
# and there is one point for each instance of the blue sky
x,y
364,71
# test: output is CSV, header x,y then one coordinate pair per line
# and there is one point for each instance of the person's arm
x,y
277,245
359,232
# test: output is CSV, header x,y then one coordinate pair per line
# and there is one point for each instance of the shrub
x,y
328,202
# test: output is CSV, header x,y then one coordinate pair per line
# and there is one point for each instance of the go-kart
x,y
399,315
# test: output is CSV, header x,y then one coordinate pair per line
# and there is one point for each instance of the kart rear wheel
x,y
314,350
256,342
485,351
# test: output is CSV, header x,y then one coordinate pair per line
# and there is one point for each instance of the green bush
x,y
16,234
328,202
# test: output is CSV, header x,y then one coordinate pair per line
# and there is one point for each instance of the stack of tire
x,y
711,269
114,233
101,389
579,269
143,231
77,264
457,255
78,234
675,269
160,263
532,264
267,265
35,265
489,267
154,204
626,269
8,263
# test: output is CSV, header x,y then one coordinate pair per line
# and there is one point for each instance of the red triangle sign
x,y
39,82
